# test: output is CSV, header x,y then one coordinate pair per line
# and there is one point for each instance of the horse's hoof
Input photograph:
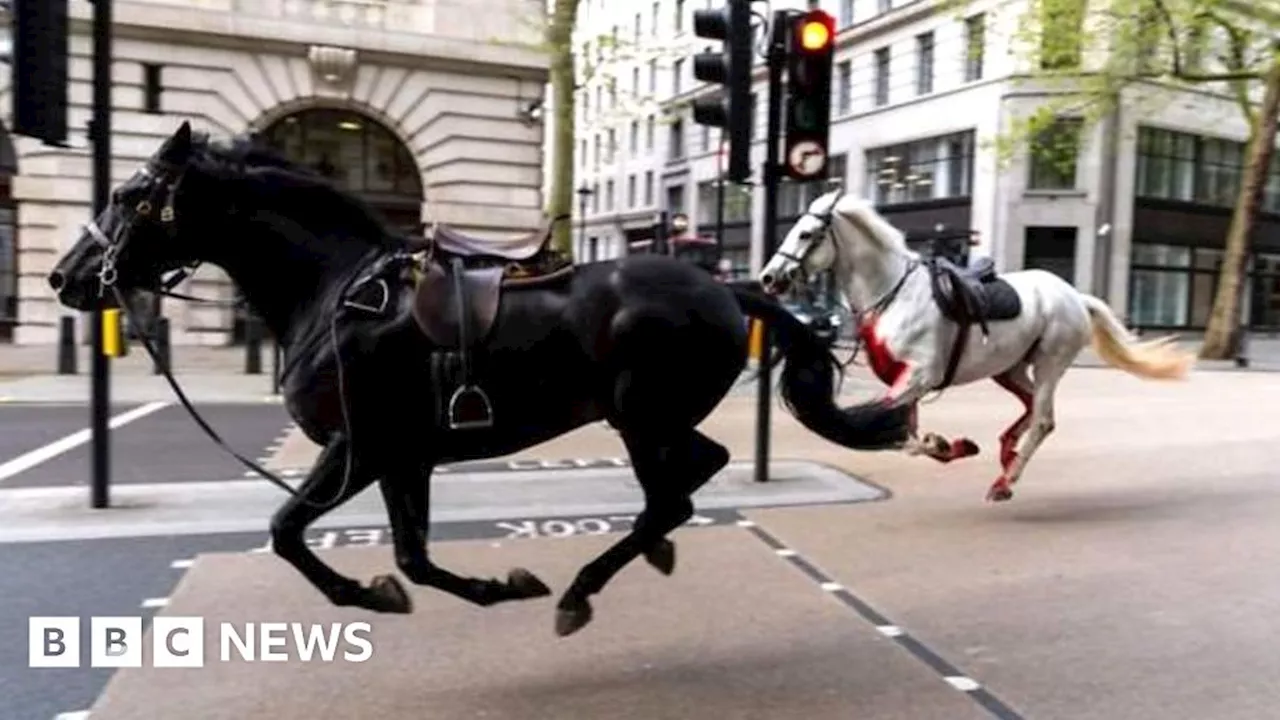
x,y
571,620
386,594
964,447
663,556
525,585
1000,493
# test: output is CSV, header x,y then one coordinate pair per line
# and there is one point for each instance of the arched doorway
x,y
359,155
8,239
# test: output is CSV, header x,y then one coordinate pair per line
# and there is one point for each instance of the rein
x,y
107,277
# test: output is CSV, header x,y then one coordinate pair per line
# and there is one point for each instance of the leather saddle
x,y
460,285
969,296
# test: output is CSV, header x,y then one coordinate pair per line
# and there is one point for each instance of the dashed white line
x,y
155,602
962,683
832,587
746,523
785,552
182,564
889,630
77,715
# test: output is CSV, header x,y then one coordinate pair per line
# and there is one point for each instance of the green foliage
x,y
1086,55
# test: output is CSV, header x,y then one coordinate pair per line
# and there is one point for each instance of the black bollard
x,y
67,345
252,346
162,361
276,362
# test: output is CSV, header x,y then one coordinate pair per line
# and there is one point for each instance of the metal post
x,y
100,135
777,56
275,366
163,346
252,345
720,204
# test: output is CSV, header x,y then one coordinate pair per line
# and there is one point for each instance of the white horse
x,y
927,324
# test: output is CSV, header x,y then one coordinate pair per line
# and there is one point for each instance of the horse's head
x,y
807,250
136,240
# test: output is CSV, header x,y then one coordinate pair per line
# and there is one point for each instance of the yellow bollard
x,y
111,332
754,340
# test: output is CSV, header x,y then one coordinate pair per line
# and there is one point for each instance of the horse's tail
x,y
1156,359
809,372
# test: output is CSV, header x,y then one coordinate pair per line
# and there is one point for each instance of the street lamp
x,y
584,192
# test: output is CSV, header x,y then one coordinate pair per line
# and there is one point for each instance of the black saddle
x,y
970,296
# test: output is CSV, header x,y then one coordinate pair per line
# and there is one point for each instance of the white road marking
x,y
832,586
155,602
746,523
785,552
29,460
962,683
77,715
889,630
182,564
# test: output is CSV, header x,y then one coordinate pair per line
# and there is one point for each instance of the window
x,y
679,15
655,17
846,13
635,82
608,195
675,199
975,40
631,191
737,204
882,76
611,149
1055,153
634,144
582,153
676,150
884,6
1062,24
653,76
649,124
648,188
151,88
924,63
595,197
1166,165
677,73
595,142
931,169
636,31
844,88
1218,172
794,198
1159,285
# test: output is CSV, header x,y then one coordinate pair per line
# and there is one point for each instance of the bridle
x,y
165,188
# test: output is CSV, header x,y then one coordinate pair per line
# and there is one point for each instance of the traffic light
x,y
808,116
730,109
39,67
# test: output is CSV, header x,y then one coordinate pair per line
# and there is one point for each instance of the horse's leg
x,y
909,388
331,483
407,494
669,468
1048,372
1018,382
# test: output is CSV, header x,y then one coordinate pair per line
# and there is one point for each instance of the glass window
x,y
1054,156
931,169
1158,298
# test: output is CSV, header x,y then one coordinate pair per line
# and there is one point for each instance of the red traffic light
x,y
816,31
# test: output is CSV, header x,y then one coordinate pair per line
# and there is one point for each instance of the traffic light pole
x,y
777,55
100,135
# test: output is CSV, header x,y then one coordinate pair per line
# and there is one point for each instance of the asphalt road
x,y
113,577
165,446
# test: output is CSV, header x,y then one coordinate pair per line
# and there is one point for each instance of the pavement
x,y
1130,577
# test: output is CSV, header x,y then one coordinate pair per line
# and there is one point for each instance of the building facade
x,y
920,94
429,110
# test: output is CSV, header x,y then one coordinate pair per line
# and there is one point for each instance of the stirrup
x,y
470,409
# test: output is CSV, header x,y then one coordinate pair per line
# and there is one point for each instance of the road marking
x,y
155,602
917,649
182,564
962,683
29,460
77,715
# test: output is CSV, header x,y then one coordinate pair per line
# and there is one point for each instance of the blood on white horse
x,y
910,341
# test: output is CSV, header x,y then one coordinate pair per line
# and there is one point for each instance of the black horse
x,y
650,344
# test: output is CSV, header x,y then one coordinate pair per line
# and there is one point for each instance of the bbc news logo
x,y
179,642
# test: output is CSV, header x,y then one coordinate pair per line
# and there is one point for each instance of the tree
x,y
1093,56
564,18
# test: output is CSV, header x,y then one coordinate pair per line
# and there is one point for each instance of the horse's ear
x,y
177,148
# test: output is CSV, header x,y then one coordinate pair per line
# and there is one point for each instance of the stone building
x,y
429,109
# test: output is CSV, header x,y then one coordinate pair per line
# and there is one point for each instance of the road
x,y
1132,575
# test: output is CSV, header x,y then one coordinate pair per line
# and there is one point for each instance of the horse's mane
x,y
250,155
861,212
